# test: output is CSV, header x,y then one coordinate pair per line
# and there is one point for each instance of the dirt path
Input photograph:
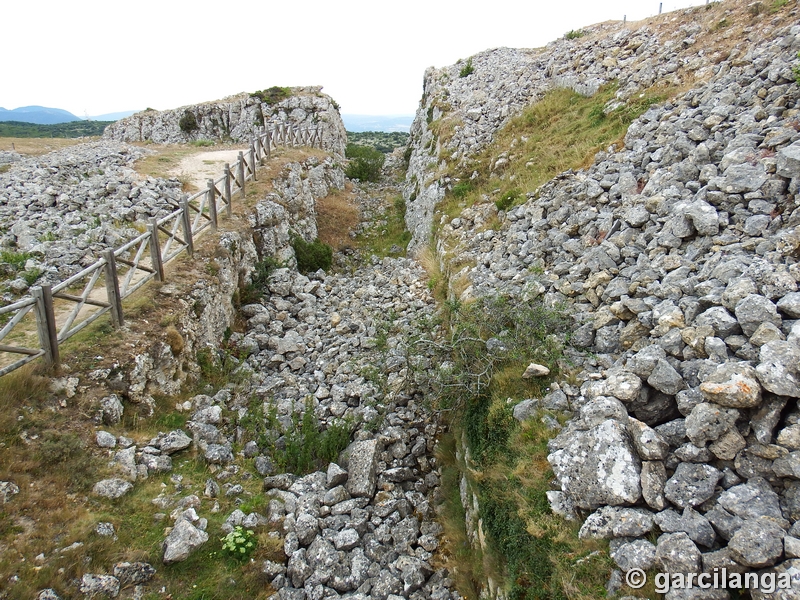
x,y
197,169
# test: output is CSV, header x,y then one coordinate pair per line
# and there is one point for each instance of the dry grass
x,y
39,146
337,216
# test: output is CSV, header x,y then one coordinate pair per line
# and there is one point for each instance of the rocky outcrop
x,y
236,118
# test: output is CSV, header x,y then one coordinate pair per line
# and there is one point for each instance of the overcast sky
x,y
92,57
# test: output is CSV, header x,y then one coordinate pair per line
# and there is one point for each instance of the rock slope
x,y
678,254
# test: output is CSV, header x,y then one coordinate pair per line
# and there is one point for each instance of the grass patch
x,y
564,130
337,216
531,553
385,236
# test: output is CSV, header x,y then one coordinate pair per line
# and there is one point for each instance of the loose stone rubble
x,y
678,256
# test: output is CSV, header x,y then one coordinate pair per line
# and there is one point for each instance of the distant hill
x,y
383,141
378,122
41,115
72,129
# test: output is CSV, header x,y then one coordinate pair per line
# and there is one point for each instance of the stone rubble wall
x,y
235,119
678,255
69,205
506,80
208,307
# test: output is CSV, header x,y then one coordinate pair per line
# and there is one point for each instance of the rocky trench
x,y
364,525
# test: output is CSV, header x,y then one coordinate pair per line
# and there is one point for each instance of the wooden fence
x,y
62,310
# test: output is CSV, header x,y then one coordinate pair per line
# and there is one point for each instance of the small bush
x,y
365,162
796,71
272,95
312,256
304,448
175,340
188,122
507,200
574,34
461,189
239,543
252,292
467,69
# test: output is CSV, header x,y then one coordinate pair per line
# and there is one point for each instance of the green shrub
x,y
305,447
365,162
252,292
461,189
188,122
507,200
311,256
796,71
467,69
272,95
574,34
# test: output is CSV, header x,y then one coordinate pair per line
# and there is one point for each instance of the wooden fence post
x,y
187,227
155,250
211,196
112,288
252,161
269,141
46,324
241,172
227,190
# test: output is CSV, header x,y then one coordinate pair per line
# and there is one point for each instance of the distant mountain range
x,y
388,123
42,115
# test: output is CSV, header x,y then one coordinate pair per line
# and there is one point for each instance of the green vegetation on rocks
x,y
365,162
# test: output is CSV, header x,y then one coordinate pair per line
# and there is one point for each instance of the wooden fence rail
x,y
58,312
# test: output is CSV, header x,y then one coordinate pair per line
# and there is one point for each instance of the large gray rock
x,y
99,586
653,480
649,444
779,368
707,422
184,539
758,543
636,554
615,521
111,409
135,573
175,441
756,498
788,161
676,553
112,488
733,384
753,310
787,571
666,379
362,468
691,484
599,467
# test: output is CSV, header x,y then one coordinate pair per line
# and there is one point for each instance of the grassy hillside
x,y
73,129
